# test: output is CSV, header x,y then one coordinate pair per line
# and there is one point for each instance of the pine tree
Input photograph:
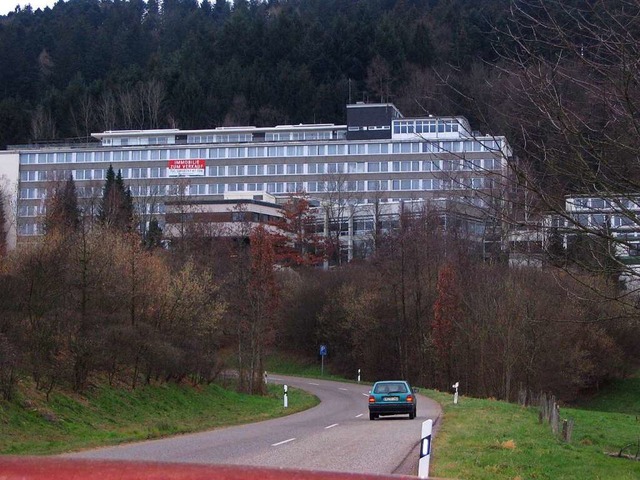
x,y
63,213
116,209
153,237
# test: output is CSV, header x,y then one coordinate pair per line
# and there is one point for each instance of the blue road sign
x,y
323,350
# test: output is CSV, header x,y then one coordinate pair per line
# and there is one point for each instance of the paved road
x,y
337,435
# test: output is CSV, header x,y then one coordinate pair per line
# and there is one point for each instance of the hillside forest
x,y
95,299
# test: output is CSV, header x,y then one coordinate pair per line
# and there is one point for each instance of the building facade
x,y
379,157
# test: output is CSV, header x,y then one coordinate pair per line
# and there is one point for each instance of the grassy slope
x,y
108,416
485,439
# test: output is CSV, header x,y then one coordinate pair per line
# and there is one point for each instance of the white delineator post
x,y
425,449
455,395
286,399
358,375
266,378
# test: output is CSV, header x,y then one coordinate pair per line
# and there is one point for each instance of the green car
x,y
392,397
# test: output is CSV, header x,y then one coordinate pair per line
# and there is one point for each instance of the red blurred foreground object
x,y
49,468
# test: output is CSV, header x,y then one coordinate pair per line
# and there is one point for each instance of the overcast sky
x,y
7,6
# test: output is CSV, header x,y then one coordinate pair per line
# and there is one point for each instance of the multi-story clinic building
x,y
379,157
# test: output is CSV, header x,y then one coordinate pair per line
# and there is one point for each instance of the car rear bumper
x,y
391,408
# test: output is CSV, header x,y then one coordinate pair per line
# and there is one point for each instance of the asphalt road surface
x,y
337,435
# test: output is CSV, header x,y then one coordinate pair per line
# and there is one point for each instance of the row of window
x,y
269,137
426,126
600,220
259,152
480,165
140,208
159,140
595,203
279,187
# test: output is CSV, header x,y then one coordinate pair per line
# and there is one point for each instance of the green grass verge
x,y
302,368
109,416
485,439
622,396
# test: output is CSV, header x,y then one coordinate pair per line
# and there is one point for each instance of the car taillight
x,y
409,398
372,399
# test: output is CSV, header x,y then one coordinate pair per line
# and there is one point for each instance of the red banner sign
x,y
186,168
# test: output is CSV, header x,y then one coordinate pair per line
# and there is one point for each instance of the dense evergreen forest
x,y
94,65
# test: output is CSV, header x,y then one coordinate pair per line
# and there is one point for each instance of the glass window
x,y
336,149
316,168
139,173
235,170
357,149
27,158
255,151
216,188
235,187
431,165
277,169
275,151
28,176
197,153
275,187
255,170
294,168
335,167
216,171
314,150
158,172
295,151
355,167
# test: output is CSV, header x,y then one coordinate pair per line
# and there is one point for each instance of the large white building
x,y
378,157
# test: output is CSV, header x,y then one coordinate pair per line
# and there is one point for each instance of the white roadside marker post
x,y
455,395
425,449
358,375
286,400
265,377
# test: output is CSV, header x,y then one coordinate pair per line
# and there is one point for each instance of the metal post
x,y
425,449
322,365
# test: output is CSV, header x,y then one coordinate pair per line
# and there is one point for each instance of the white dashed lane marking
x,y
283,442
331,426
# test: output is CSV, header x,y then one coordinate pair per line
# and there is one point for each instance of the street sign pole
x,y
425,449
323,353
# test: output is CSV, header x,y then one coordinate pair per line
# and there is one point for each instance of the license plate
x,y
390,399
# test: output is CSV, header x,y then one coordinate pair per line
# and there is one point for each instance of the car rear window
x,y
390,388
